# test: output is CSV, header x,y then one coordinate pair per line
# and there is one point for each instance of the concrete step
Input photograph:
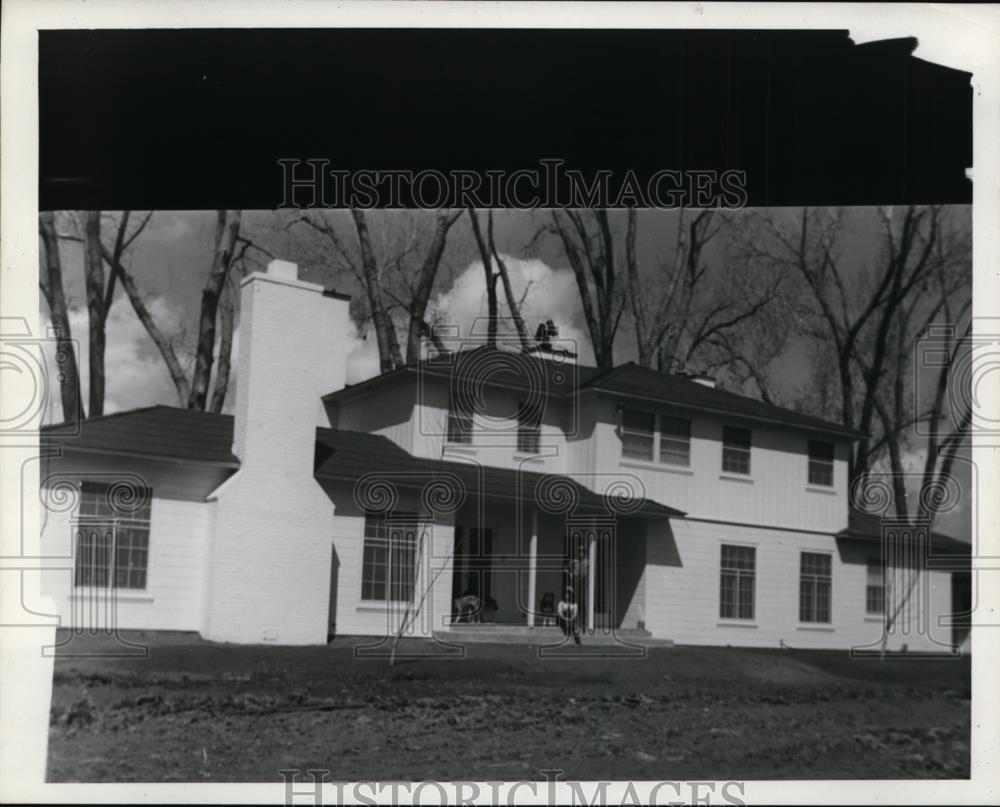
x,y
521,634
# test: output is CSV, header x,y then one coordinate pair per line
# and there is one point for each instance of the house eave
x,y
843,432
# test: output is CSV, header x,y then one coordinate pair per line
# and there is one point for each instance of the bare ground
x,y
196,711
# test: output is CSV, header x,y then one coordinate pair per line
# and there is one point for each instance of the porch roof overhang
x,y
350,456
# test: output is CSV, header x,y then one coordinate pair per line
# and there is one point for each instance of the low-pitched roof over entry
x,y
512,369
171,434
351,455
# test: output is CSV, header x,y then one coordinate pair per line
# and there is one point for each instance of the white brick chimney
x,y
269,559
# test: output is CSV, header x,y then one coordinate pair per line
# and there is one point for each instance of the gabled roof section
x,y
155,432
631,380
512,369
868,527
508,368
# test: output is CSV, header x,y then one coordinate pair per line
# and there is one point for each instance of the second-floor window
x,y
638,434
649,436
736,585
529,418
820,463
875,589
459,421
675,440
735,450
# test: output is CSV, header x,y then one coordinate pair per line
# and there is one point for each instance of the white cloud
x,y
551,294
362,357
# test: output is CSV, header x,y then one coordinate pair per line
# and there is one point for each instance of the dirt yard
x,y
195,711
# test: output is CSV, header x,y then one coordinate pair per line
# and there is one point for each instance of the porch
x,y
516,560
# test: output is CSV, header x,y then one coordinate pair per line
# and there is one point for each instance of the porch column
x,y
591,567
532,566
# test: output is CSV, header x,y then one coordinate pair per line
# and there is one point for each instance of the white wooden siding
x,y
682,591
179,535
776,493
388,411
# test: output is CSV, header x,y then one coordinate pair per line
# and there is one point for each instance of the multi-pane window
x,y
638,434
529,417
675,440
820,463
459,421
389,564
111,537
875,590
736,585
814,587
735,450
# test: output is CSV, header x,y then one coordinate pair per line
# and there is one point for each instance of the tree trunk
x,y
55,296
227,314
491,280
94,269
162,343
227,231
389,353
515,311
425,284
643,348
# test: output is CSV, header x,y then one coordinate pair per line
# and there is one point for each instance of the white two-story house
x,y
323,509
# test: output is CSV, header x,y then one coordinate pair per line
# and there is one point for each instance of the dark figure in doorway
x,y
567,614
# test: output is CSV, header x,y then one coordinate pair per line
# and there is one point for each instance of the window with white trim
x,y
638,434
388,567
875,588
815,580
675,440
735,450
111,537
529,429
737,581
459,421
820,463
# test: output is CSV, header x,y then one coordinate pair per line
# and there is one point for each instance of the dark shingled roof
x,y
640,382
515,370
186,435
504,368
864,526
155,432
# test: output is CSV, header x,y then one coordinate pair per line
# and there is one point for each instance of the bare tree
x,y
227,231
421,294
589,245
492,312
490,257
97,309
396,266
51,283
114,257
852,310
